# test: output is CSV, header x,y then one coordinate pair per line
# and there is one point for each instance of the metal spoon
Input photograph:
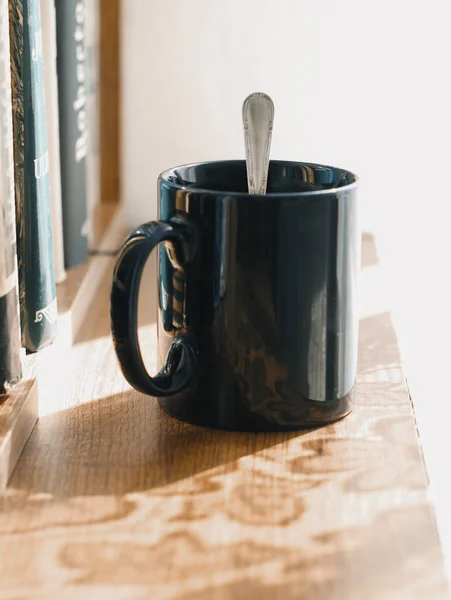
x,y
258,119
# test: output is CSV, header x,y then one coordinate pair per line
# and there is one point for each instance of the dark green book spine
x,y
38,308
10,347
72,69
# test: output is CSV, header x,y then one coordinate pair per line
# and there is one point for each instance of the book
x,y
74,123
92,41
10,345
37,296
51,103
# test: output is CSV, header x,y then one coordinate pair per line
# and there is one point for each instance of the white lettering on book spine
x,y
81,145
50,313
37,50
41,165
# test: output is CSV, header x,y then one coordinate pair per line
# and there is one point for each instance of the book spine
x,y
73,111
38,307
93,66
10,346
51,103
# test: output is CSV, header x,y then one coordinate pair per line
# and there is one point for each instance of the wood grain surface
x,y
114,499
20,409
18,415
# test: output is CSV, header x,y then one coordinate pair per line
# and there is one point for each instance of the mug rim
x,y
163,178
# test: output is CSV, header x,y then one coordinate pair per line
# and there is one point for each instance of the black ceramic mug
x,y
257,318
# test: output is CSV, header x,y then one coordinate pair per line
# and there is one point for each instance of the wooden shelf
x,y
44,372
18,414
113,498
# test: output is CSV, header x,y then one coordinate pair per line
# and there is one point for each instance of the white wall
x,y
356,84
362,85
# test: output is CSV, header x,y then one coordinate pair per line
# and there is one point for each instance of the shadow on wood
x,y
124,444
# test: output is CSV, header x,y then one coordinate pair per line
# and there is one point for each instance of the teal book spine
x,y
38,306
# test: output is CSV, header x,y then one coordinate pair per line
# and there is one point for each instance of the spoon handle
x,y
258,119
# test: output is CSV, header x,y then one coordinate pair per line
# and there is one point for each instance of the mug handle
x,y
180,370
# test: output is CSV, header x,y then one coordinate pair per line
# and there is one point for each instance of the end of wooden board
x,y
18,416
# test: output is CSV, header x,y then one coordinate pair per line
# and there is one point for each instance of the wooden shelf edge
x,y
18,416
19,411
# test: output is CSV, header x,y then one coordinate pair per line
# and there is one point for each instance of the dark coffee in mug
x,y
257,317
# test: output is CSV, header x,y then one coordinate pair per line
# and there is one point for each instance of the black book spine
x,y
38,306
73,90
10,346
